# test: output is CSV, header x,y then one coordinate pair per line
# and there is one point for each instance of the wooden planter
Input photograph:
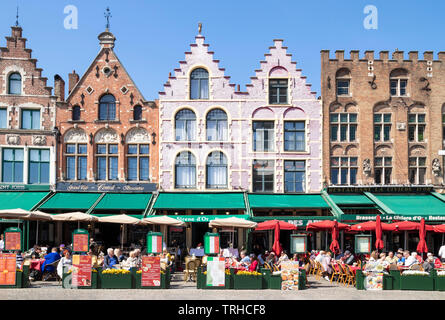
x,y
66,281
439,283
395,276
248,282
413,282
115,281
359,280
201,282
302,280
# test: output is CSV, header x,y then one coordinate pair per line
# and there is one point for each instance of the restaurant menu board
x,y
13,240
374,281
215,272
298,244
80,242
151,271
289,275
362,244
7,269
81,271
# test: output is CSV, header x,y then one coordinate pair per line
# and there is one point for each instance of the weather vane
x,y
199,27
17,17
108,16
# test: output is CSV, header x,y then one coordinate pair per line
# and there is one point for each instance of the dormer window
x,y
343,82
278,91
15,83
199,84
399,83
76,113
107,107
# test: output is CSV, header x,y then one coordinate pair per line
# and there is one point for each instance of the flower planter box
x,y
388,282
247,282
395,275
115,281
360,280
201,282
302,280
67,277
415,282
439,283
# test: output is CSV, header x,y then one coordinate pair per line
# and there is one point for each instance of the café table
x,y
36,264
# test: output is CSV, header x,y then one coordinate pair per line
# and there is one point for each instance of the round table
x,y
35,264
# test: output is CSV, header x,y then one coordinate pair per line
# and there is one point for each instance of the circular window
x,y
106,70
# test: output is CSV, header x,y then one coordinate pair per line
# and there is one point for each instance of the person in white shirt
x,y
410,259
2,243
441,253
320,256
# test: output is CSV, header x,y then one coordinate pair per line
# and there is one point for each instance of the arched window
x,y
343,82
76,113
107,107
199,84
398,82
185,171
185,125
15,83
216,125
137,113
216,170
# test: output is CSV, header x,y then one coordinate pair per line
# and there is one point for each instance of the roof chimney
x,y
73,79
59,88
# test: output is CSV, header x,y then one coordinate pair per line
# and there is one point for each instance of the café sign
x,y
206,218
106,187
380,189
23,187
394,217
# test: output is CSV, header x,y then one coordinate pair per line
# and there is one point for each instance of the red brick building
x,y
108,130
27,118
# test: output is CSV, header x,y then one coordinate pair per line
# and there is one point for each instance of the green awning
x,y
413,204
100,215
200,201
22,200
289,201
71,201
351,199
124,201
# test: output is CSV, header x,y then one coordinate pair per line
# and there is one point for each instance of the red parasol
x,y
270,225
410,226
421,247
335,247
326,225
378,234
276,244
439,228
371,226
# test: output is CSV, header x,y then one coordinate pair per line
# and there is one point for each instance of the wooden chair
x,y
313,269
191,269
319,273
267,266
343,274
350,277
336,273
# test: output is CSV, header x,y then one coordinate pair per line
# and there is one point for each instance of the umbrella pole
x,y
122,236
37,232
78,224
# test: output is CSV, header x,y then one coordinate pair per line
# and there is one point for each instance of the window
x,y
343,81
76,161
15,83
137,113
185,171
344,170
30,119
398,82
343,126
417,170
138,167
263,136
199,84
38,166
76,113
185,125
278,91
216,170
416,127
107,107
263,175
294,136
107,161
3,118
216,125
12,166
294,176
383,170
382,126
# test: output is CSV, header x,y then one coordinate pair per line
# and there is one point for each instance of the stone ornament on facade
x,y
106,136
76,135
38,140
13,139
138,135
436,167
367,167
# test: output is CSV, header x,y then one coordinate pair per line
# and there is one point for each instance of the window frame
x,y
416,125
199,81
270,134
192,164
340,169
32,111
107,156
279,87
223,164
295,132
107,105
295,170
384,170
77,156
382,125
338,124
263,180
14,161
39,166
187,126
417,169
138,156
217,127
348,80
17,80
398,86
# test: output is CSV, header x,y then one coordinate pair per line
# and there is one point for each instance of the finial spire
x,y
199,27
108,16
17,17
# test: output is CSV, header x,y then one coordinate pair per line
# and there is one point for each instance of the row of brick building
x,y
379,126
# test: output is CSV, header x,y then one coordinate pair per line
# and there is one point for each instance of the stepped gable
x,y
17,57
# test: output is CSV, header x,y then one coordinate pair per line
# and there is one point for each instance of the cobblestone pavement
x,y
318,290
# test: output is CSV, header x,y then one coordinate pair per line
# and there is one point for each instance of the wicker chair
x,y
191,269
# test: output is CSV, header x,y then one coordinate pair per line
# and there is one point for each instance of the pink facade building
x,y
214,137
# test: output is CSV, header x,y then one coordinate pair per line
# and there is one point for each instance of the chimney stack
x,y
73,79
59,88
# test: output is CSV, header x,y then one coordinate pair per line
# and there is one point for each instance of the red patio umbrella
x,y
326,225
335,247
378,234
276,244
421,247
276,225
371,226
439,228
410,226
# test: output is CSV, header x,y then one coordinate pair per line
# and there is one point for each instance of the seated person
x,y
64,263
326,264
382,260
131,261
391,259
19,259
110,259
283,257
94,259
120,256
349,258
410,259
253,263
245,260
50,258
271,259
428,265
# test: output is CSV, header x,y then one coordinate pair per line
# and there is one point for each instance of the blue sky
x,y
152,35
